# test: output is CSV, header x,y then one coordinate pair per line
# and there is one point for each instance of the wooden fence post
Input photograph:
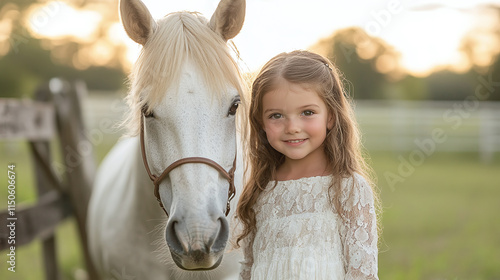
x,y
41,157
79,159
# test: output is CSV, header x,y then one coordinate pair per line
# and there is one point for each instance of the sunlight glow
x,y
117,34
385,64
57,19
8,14
429,43
427,33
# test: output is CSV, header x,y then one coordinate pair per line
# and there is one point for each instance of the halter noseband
x,y
157,179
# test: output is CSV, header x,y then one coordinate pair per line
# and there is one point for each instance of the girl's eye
x,y
275,116
308,113
234,107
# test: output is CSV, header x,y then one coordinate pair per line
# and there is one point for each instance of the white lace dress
x,y
300,236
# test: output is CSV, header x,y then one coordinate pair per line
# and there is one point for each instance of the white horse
x,y
185,89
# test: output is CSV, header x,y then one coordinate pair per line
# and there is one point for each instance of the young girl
x,y
308,211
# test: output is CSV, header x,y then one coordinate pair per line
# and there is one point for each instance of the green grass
x,y
440,223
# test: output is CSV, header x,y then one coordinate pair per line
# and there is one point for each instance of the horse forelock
x,y
178,38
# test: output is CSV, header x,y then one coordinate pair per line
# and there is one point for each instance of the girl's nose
x,y
292,126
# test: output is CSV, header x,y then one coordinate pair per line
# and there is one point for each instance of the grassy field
x,y
441,222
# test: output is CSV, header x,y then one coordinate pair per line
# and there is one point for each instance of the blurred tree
x,y
372,67
367,63
409,88
447,85
481,49
28,58
494,69
481,45
495,73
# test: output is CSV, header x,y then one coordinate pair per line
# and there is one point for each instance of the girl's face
x,y
296,120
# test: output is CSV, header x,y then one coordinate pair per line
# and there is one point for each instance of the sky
x,y
427,33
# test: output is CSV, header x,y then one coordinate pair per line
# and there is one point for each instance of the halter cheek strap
x,y
157,179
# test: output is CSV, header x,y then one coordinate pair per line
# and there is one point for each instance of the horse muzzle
x,y
197,260
198,246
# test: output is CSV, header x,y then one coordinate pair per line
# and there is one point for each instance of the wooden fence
x,y
54,114
400,126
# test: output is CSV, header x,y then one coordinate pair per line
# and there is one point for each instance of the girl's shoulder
x,y
356,180
356,189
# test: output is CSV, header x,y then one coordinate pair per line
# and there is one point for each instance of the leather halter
x,y
157,179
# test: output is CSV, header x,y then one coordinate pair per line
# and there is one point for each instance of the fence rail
x,y
467,125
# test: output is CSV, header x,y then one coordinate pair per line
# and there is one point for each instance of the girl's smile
x,y
293,142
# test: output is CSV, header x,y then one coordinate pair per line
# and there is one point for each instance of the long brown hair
x,y
342,143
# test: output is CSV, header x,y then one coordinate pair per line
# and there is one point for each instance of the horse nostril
x,y
172,239
221,237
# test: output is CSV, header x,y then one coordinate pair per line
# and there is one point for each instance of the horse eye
x,y
147,114
234,107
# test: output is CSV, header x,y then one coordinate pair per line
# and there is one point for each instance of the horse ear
x,y
228,18
137,21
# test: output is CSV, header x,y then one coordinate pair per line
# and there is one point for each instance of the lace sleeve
x,y
359,231
246,264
